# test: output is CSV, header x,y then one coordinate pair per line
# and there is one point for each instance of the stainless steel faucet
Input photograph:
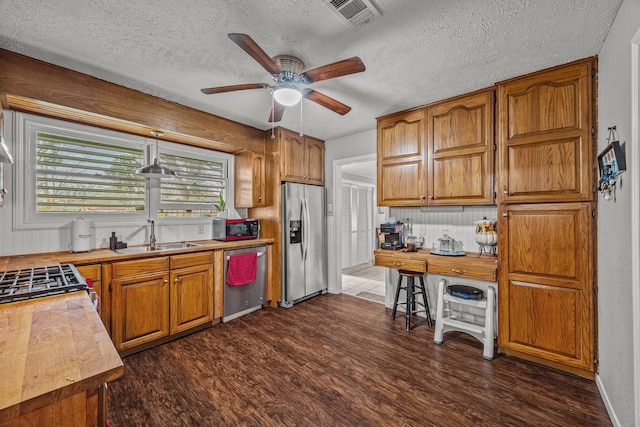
x,y
152,236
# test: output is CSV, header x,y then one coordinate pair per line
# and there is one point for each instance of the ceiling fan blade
x,y
276,113
326,102
337,69
231,88
248,45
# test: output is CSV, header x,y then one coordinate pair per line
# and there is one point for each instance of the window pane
x,y
74,175
197,187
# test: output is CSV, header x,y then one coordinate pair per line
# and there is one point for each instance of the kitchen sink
x,y
178,245
159,247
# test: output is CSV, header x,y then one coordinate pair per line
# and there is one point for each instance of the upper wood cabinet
x,y
546,301
402,159
250,178
546,126
301,158
438,155
460,149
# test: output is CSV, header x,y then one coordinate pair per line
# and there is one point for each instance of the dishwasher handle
x,y
258,254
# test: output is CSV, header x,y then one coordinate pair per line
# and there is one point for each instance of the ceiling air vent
x,y
355,13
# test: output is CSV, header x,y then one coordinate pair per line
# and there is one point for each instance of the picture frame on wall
x,y
611,161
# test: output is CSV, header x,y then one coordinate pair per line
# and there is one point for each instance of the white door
x,y
357,224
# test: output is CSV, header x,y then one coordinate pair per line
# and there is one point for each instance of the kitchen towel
x,y
242,269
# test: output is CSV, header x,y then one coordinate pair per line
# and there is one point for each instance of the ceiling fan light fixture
x,y
286,94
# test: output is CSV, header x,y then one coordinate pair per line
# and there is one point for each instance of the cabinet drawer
x,y
464,271
190,260
90,271
401,263
139,266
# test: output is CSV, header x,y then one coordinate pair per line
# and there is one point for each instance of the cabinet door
x,y
293,157
191,297
546,149
401,159
460,140
249,180
140,307
314,149
546,304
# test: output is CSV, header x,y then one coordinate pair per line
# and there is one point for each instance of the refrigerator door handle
x,y
305,229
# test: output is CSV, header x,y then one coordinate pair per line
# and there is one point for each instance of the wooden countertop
x,y
469,265
51,348
13,262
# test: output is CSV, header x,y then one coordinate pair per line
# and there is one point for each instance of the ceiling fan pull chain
x,y
301,134
273,136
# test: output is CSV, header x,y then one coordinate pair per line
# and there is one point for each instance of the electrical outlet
x,y
200,228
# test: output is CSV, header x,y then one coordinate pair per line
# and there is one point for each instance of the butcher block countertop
x,y
470,265
51,348
13,262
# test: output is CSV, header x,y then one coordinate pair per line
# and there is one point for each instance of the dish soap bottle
x,y
113,240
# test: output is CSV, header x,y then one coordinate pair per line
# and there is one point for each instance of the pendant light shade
x,y
156,170
5,155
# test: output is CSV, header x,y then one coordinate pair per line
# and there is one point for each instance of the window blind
x,y
76,175
198,185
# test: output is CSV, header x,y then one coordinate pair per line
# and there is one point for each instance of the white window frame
x,y
155,202
23,128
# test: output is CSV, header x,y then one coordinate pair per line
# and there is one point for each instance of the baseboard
x,y
607,402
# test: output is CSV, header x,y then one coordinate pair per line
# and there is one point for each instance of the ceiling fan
x,y
288,75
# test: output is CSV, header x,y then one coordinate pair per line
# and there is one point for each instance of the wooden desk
x,y
468,266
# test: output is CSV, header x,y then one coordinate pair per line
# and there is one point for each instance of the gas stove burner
x,y
28,283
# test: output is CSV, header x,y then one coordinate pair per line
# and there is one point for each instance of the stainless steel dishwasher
x,y
241,300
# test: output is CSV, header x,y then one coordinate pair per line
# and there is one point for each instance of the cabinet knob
x,y
431,196
422,197
505,191
259,199
175,280
505,214
455,270
165,281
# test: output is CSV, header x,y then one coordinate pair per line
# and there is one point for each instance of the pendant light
x,y
5,155
156,170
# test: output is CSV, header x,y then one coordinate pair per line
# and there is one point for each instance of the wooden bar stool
x,y
411,289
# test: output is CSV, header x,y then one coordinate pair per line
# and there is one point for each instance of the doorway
x,y
356,217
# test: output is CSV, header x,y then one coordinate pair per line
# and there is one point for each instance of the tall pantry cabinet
x,y
547,208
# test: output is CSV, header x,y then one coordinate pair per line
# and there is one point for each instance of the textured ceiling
x,y
417,52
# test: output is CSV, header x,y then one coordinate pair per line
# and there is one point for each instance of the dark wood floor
x,y
338,360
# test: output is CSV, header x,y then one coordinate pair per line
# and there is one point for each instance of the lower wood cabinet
x,y
85,408
191,299
154,298
546,309
139,302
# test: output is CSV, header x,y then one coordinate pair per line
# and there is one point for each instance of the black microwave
x,y
236,229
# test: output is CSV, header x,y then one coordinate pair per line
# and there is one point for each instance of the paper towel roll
x,y
80,235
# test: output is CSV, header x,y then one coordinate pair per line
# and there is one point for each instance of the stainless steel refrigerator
x,y
304,242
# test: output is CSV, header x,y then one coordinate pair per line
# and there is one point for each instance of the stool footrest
x,y
464,326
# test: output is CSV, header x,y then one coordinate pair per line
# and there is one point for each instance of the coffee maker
x,y
391,236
